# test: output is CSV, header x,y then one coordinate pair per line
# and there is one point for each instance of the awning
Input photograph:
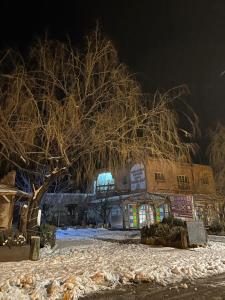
x,y
7,190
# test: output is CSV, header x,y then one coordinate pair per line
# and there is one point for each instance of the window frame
x,y
183,184
159,177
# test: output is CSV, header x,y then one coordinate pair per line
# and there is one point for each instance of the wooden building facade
x,y
143,194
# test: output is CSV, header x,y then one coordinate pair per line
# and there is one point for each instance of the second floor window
x,y
183,182
105,183
159,176
204,180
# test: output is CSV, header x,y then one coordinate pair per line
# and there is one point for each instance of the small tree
x,y
65,110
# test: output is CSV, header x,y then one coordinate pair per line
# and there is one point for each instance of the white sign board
x,y
39,218
137,177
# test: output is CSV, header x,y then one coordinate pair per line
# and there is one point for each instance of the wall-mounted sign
x,y
182,206
137,177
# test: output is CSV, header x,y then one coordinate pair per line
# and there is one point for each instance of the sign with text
x,y
137,177
182,206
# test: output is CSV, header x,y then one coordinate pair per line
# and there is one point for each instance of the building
x,y
141,194
8,195
65,209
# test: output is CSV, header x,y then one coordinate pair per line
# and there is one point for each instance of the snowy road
x,y
94,265
211,288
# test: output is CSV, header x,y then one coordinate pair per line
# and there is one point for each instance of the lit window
x,y
105,182
204,180
159,177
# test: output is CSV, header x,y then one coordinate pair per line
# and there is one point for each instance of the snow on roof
x,y
12,191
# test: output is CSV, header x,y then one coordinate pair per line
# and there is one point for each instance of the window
x,y
105,182
159,177
183,182
124,181
204,180
115,211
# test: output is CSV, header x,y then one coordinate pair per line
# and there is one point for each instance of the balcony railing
x,y
105,188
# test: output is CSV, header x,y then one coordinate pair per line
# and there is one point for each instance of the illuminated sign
x,y
137,177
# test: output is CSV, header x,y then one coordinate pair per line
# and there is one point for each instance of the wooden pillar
x,y
184,239
34,247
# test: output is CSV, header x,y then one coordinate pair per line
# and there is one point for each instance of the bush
x,y
174,222
169,229
47,235
11,238
162,230
216,226
175,233
148,231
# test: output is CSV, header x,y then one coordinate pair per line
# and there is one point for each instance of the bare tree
x,y
217,156
67,110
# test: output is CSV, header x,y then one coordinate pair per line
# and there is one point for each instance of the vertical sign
x,y
137,177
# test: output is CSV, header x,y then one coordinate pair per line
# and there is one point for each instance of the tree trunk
x,y
34,247
32,226
23,220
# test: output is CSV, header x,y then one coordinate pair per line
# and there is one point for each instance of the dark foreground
x,y
208,288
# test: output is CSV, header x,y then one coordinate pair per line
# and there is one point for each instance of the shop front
x,y
144,210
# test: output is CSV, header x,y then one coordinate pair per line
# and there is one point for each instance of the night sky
x,y
165,43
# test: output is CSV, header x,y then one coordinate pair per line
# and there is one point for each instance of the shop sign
x,y
182,206
137,177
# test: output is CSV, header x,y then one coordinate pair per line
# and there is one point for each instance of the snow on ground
x,y
75,271
87,233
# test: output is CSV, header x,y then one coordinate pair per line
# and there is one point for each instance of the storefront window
x,y
142,215
132,209
146,215
160,214
105,182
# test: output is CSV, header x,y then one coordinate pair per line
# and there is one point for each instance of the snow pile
x,y
75,271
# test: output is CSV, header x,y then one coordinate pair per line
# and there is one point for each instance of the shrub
x,y
47,235
216,226
148,231
174,222
11,238
175,233
162,230
169,229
